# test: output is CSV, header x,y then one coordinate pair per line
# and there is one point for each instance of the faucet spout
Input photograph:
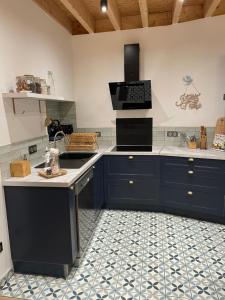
x,y
57,133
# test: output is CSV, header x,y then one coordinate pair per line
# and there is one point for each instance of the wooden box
x,y
20,168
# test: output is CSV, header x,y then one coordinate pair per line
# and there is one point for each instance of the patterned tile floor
x,y
139,255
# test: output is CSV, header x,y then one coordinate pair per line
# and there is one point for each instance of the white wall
x,y
167,54
5,257
31,43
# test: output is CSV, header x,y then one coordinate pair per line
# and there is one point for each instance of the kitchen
x,y
156,229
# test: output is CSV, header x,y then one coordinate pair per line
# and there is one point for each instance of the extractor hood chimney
x,y
131,62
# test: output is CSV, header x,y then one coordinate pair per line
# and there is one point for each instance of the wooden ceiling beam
x,y
80,13
143,4
114,14
210,7
177,11
51,8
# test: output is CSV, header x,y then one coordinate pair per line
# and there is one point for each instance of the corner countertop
x,y
34,180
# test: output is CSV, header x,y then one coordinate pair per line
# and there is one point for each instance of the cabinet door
x,y
98,183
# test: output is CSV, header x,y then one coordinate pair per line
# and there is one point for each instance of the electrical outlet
x,y
172,133
1,247
32,149
98,133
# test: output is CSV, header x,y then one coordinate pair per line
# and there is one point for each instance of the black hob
x,y
143,148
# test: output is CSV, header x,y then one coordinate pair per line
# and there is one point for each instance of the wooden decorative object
x,y
190,99
60,173
20,168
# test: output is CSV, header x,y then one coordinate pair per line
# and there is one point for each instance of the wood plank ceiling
x,y
85,16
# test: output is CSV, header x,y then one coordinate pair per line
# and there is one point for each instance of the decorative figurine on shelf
x,y
189,100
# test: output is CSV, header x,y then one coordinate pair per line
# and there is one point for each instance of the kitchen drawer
x,y
132,165
211,165
193,175
208,201
138,192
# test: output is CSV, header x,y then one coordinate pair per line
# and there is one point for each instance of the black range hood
x,y
132,93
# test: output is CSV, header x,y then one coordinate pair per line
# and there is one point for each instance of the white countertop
x,y
196,153
73,174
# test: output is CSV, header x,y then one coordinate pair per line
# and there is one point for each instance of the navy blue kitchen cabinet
x,y
132,182
98,183
42,229
193,187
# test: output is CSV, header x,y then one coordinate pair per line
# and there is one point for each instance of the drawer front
x,y
198,172
136,190
200,163
203,200
132,165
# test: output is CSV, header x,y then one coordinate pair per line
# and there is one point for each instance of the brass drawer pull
x,y
131,182
131,157
191,159
190,172
190,193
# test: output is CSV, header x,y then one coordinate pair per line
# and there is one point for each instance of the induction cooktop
x,y
136,148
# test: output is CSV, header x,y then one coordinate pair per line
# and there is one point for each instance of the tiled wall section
x,y
108,137
160,138
65,112
18,150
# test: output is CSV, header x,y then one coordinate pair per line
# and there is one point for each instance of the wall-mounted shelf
x,y
32,96
27,95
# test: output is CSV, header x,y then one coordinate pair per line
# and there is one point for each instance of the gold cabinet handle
x,y
190,159
190,172
131,182
131,157
190,193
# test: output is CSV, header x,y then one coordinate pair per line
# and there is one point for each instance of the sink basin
x,y
72,160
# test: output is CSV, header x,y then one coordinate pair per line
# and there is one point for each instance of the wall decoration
x,y
190,98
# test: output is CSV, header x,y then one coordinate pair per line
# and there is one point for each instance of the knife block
x,y
20,168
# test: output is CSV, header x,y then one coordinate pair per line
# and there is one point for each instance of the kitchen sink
x,y
72,160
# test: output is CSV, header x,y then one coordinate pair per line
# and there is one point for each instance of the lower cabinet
x,y
42,229
185,186
131,182
193,187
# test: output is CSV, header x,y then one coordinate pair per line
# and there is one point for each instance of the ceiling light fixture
x,y
104,6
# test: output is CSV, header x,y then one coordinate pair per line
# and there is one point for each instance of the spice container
x,y
44,87
37,81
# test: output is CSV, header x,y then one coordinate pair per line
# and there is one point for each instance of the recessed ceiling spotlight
x,y
104,6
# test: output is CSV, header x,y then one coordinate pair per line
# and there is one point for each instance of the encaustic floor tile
x,y
138,256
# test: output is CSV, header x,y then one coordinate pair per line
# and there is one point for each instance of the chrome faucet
x,y
57,133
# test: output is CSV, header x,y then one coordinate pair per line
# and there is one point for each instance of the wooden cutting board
x,y
220,126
